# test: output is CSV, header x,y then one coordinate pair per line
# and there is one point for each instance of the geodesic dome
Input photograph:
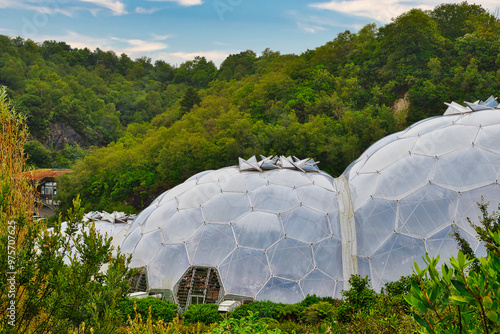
x,y
267,231
279,229
410,188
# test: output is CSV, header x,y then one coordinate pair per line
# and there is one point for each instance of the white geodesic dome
x,y
280,228
272,234
410,188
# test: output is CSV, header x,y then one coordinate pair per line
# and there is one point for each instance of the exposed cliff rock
x,y
61,134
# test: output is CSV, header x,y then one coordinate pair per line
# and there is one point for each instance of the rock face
x,y
62,135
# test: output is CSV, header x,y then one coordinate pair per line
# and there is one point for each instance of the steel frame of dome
x,y
288,229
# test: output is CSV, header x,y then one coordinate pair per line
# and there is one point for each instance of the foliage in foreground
x,y
51,280
156,308
465,296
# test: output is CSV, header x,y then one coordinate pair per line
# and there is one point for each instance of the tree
x,y
52,279
37,154
237,66
190,99
455,20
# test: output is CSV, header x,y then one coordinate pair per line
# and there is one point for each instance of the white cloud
x,y
379,10
134,48
139,46
115,6
141,10
49,8
311,23
185,3
177,58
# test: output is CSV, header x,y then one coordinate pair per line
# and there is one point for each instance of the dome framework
x,y
280,228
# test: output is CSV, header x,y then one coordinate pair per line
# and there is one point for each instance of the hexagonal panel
x,y
288,178
285,291
427,210
323,180
388,154
146,249
395,258
159,216
182,225
328,257
375,222
210,245
290,259
467,169
131,240
445,140
318,198
234,206
198,195
243,182
167,267
407,174
305,224
245,272
317,283
488,138
258,230
274,199
443,245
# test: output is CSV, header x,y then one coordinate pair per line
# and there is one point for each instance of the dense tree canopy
x,y
157,124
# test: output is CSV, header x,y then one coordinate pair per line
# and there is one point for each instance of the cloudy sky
x,y
178,30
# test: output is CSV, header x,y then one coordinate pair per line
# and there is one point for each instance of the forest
x,y
143,127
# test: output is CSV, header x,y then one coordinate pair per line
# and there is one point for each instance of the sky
x,y
178,30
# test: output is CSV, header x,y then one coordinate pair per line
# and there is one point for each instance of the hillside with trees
x,y
138,128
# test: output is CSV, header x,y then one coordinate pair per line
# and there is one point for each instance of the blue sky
x,y
179,30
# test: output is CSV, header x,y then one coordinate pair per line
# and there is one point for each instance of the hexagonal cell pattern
x,y
273,229
259,229
411,187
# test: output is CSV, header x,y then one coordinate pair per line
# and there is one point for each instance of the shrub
x,y
160,309
359,298
203,313
265,309
290,312
292,327
247,324
318,313
459,300
399,287
309,300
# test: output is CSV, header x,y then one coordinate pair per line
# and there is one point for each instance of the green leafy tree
x,y
37,154
54,281
455,20
190,99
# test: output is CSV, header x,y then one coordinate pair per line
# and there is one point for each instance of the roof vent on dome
x,y
455,108
275,162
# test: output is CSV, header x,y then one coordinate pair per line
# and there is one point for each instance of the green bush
x,y
265,309
202,313
457,299
309,300
399,287
292,327
359,298
160,309
247,324
318,313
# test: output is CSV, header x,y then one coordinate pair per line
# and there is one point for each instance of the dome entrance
x,y
199,285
